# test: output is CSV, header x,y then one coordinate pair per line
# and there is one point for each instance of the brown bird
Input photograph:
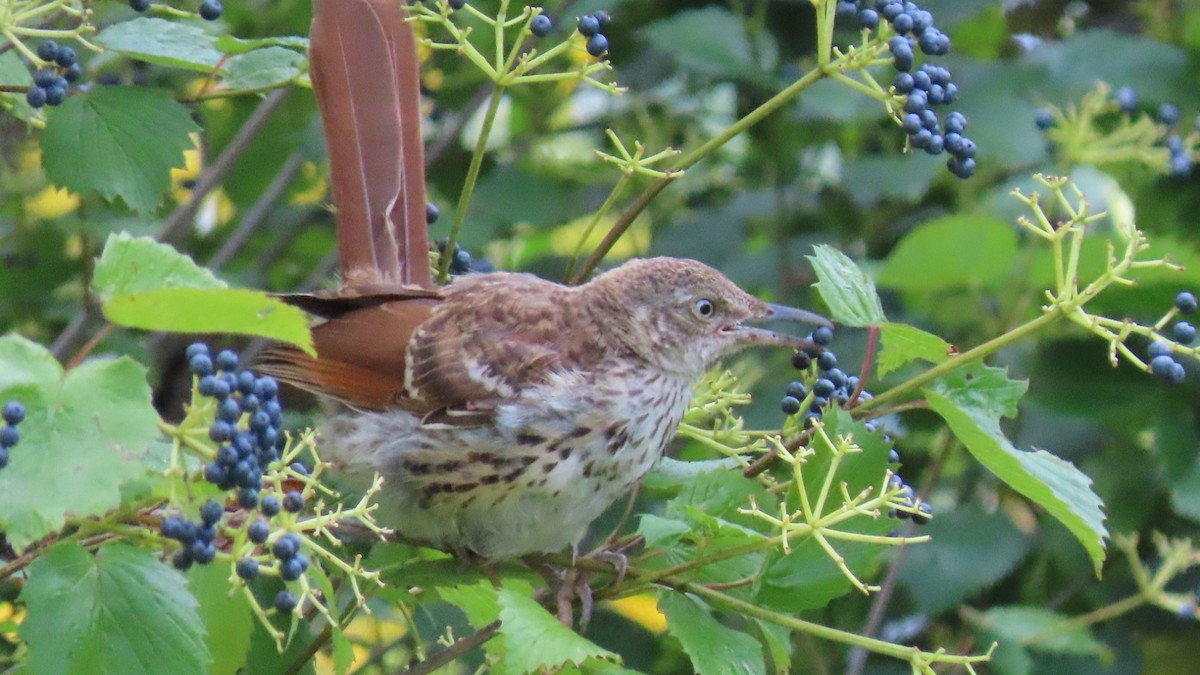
x,y
505,412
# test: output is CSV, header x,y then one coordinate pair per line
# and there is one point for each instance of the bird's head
x,y
682,315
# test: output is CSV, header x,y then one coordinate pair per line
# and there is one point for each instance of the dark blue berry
x,y
286,546
211,10
827,360
921,80
299,468
202,552
249,403
9,436
967,151
1177,374
1168,114
259,421
247,568
953,142
457,4
790,405
229,410
588,25
172,527
266,388
597,45
903,24
818,402
201,365
1127,99
13,413
293,501
290,569
603,17
823,335
216,474
258,532
35,97
194,349
1180,167
936,144
963,167
66,57
868,19
182,560
432,213
890,10
911,123
139,5
285,602
222,431
248,498
1160,366
797,390
801,360
903,83
1184,302
211,512
1185,333
227,360
55,95
921,138
73,72
823,387
269,505
4,457
845,10
541,25
916,101
893,456
1158,348
206,533
48,50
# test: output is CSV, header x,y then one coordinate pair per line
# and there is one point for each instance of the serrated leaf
x,y
167,43
234,46
263,68
846,289
130,265
1026,625
970,250
972,401
901,344
212,310
714,648
228,620
970,550
84,437
133,136
121,611
534,639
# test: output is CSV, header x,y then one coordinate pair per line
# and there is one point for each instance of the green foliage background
x,y
827,170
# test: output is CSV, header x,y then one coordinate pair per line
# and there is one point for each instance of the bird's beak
x,y
750,335
783,313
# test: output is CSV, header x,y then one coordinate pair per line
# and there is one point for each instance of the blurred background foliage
x,y
829,169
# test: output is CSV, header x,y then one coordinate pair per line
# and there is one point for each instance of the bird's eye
x,y
705,308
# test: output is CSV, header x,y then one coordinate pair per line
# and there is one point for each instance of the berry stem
x,y
600,213
868,361
464,199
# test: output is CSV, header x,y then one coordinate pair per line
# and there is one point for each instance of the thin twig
x,y
868,361
459,648
257,212
311,650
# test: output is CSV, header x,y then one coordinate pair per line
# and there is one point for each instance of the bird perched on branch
x,y
505,412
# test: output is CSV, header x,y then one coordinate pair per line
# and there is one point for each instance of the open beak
x,y
750,335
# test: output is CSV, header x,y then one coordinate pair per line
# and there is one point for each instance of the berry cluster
x,y
50,84
1162,362
197,539
590,27
1168,117
210,10
13,414
242,454
830,384
924,88
463,262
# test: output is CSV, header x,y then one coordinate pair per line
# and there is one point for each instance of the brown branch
x,y
311,650
459,648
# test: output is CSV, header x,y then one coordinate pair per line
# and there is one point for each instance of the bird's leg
x,y
615,553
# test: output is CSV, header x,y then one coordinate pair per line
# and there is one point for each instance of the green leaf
x,y
972,400
84,437
714,648
234,46
130,265
970,251
1185,492
902,344
119,612
263,68
212,310
845,288
536,640
970,550
167,43
14,71
134,137
228,620
1025,625
711,41
659,531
